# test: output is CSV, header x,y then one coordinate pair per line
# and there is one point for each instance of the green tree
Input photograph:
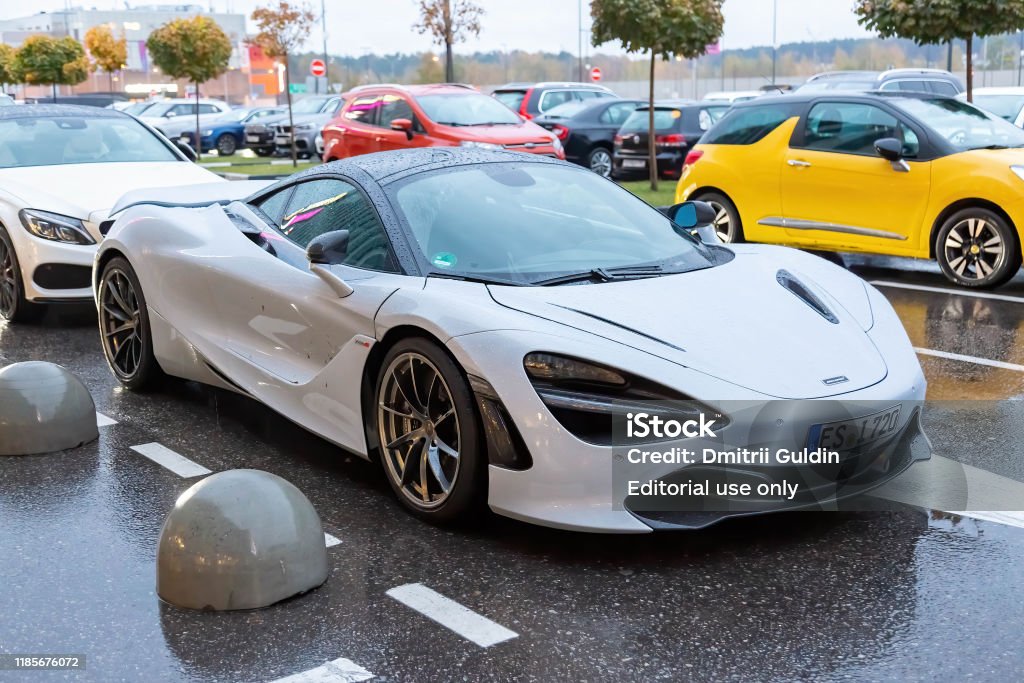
x,y
449,22
42,60
429,70
662,27
194,49
283,30
8,65
107,52
942,21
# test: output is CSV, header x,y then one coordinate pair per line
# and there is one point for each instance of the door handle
x,y
799,163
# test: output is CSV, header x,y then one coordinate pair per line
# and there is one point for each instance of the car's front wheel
x,y
727,218
124,327
14,307
600,162
226,145
977,248
428,433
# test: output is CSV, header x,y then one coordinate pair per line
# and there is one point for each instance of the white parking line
x,y
949,290
450,614
970,359
340,670
1008,518
175,462
331,541
104,421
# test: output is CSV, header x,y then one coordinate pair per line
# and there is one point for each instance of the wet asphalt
x,y
904,594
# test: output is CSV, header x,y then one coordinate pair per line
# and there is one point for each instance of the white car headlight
x,y
305,126
481,145
1018,170
207,133
55,227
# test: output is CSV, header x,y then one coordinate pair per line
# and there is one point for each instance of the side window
x,y
274,205
208,109
616,114
588,94
321,206
394,107
184,109
747,125
944,88
364,110
710,116
553,98
852,128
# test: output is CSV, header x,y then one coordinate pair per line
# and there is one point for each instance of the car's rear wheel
x,y
977,248
600,162
14,307
124,327
428,432
727,217
226,145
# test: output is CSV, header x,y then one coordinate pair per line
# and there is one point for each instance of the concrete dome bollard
x,y
43,408
240,539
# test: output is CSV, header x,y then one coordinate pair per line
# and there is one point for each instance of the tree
x,y
195,49
931,21
8,66
449,22
283,30
662,27
42,60
107,52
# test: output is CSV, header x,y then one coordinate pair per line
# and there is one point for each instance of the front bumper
x,y
55,271
305,142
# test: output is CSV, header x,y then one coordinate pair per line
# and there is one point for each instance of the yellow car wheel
x,y
977,248
727,218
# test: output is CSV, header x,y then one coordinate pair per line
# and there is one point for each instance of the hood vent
x,y
802,292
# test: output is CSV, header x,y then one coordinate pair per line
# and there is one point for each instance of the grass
x,y
665,196
250,166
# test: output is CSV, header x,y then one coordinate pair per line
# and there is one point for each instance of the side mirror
x,y
329,248
697,217
185,149
889,149
404,125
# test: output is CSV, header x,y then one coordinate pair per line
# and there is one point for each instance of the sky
x,y
356,27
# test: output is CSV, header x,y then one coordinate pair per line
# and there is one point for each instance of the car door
x,y
360,128
397,107
289,339
838,192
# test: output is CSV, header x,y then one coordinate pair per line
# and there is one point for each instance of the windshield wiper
x,y
482,279
604,275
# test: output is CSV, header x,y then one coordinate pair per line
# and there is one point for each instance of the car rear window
x,y
747,125
664,119
513,99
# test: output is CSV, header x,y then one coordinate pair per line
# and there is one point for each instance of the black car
x,y
587,130
533,99
678,125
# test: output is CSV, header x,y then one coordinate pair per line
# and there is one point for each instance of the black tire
x,y
468,472
733,232
125,333
262,151
977,248
600,161
226,145
14,307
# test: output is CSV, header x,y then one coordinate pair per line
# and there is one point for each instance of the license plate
x,y
846,435
634,163
282,140
252,138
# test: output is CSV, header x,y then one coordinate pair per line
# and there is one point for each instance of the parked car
x,y
901,174
162,110
678,125
259,135
903,80
226,132
387,117
533,99
587,128
1006,103
308,128
96,99
62,168
733,96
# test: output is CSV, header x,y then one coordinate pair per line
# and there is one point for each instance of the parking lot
x,y
906,593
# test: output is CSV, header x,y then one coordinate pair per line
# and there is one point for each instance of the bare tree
x,y
449,22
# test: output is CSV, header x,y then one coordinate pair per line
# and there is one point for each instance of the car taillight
x,y
693,157
561,131
672,140
524,105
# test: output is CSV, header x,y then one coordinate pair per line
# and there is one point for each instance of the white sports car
x,y
476,321
62,167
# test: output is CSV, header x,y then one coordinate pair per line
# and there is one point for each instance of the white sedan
x,y
482,324
62,168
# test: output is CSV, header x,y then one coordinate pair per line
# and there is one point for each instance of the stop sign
x,y
595,74
317,67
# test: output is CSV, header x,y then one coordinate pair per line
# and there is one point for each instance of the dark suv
x,y
678,126
534,99
930,81
259,135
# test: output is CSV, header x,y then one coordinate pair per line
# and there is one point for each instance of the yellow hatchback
x,y
901,174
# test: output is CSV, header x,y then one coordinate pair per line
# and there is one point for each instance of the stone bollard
x,y
43,408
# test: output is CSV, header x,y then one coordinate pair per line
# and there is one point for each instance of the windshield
x,y
962,125
1004,106
469,109
309,105
527,222
664,119
137,108
78,140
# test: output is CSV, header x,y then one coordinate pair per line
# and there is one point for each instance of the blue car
x,y
226,133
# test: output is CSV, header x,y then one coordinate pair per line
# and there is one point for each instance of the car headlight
x,y
55,227
207,133
588,399
305,126
481,145
1018,170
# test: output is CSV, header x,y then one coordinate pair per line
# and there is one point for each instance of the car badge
x,y
636,139
832,381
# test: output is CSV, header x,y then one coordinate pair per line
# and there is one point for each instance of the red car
x,y
378,118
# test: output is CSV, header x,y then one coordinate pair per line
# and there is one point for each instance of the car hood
x,y
501,135
735,322
88,191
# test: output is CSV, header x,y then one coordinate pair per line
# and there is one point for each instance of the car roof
x,y
552,84
43,111
805,97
